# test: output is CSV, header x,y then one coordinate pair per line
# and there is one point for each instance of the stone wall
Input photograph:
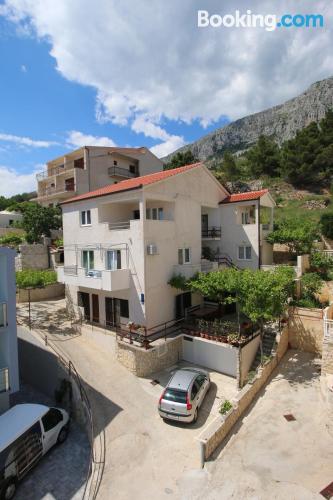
x,y
55,291
32,257
306,329
214,434
143,362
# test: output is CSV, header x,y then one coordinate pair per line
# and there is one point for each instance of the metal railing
x,y
328,326
97,441
4,380
72,270
116,226
56,190
122,172
211,232
56,170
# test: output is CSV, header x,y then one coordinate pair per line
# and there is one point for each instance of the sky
x,y
140,73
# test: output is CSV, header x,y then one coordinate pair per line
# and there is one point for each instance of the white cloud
x,y
150,59
13,182
77,139
26,141
23,68
171,144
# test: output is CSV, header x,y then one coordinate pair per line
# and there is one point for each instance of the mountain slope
x,y
280,122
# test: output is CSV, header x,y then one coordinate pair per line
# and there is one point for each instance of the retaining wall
x,y
217,431
306,329
55,291
143,362
32,257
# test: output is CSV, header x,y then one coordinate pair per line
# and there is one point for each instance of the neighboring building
x,y
90,168
9,378
124,242
7,218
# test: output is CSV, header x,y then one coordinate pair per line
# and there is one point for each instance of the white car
x,y
27,432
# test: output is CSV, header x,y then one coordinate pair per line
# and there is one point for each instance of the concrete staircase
x,y
267,347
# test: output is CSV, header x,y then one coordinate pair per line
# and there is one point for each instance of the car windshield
x,y
175,395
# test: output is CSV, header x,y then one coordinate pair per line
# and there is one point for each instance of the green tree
x,y
180,159
230,167
264,157
326,224
12,240
297,234
38,221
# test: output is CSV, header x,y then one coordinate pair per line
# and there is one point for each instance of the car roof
x,y
182,379
17,420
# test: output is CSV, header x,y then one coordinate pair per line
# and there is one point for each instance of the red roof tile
x,y
130,184
250,195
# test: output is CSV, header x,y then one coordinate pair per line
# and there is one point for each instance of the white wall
x,y
5,218
8,335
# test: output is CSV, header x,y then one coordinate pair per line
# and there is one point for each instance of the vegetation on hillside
x,y
180,159
32,278
11,202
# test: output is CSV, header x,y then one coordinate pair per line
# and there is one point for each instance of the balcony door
x,y
204,224
183,301
84,301
95,308
88,259
113,260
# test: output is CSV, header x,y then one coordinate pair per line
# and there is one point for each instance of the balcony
x,y
98,279
189,270
121,172
211,233
4,380
3,314
118,226
56,191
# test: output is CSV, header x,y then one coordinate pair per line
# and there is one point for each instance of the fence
x,y
97,443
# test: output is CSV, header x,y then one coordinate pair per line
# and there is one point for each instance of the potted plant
x,y
233,339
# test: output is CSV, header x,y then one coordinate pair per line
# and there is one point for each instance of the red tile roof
x,y
129,184
250,195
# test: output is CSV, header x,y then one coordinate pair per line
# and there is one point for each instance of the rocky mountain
x,y
280,122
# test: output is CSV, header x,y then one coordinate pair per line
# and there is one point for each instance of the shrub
x,y
11,240
326,224
178,281
59,242
225,407
32,278
311,284
321,263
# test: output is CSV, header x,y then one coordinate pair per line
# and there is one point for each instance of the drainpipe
x,y
87,161
259,242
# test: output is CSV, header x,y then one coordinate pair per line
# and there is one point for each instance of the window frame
x,y
182,256
85,215
117,259
89,260
244,248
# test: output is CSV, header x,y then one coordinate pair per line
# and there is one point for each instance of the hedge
x,y
32,278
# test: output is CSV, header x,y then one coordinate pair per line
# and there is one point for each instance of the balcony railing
x,y
70,270
60,169
211,232
3,314
55,190
121,172
4,380
116,226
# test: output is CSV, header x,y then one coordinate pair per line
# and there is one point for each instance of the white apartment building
x,y
89,168
9,377
124,242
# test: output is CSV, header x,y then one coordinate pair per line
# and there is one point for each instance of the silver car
x,y
184,394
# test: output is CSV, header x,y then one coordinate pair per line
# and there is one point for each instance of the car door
x,y
51,424
202,382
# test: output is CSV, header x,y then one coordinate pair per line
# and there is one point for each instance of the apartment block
x,y
9,376
123,243
90,168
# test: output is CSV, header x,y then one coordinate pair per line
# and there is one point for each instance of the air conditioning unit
x,y
151,249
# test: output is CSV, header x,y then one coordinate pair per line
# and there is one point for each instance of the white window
x,y
85,218
184,256
113,260
244,253
155,213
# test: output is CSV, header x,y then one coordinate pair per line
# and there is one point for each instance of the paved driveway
x,y
268,457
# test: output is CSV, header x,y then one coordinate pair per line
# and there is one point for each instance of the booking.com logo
x,y
267,21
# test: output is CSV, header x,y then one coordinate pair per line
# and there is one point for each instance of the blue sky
x,y
77,73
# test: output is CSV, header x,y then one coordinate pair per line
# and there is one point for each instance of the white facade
x,y
8,218
146,235
9,376
90,168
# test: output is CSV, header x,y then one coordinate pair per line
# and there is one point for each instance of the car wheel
x,y
8,490
62,435
195,418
